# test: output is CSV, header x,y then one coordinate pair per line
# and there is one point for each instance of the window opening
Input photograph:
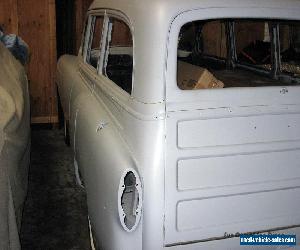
x,y
238,53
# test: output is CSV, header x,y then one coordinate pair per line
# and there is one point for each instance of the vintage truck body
x,y
166,168
14,147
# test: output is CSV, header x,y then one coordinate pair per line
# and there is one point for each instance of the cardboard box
x,y
194,77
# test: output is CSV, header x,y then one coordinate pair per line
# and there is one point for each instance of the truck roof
x,y
171,8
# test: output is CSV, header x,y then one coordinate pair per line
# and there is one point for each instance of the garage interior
x,y
55,211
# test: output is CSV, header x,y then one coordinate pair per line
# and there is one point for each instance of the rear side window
x,y
108,48
119,62
238,53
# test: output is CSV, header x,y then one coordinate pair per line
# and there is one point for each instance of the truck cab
x,y
184,119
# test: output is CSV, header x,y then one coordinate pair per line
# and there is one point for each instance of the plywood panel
x,y
9,16
214,39
37,28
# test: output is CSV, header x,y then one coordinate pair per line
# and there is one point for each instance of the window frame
x,y
224,97
87,35
83,37
89,39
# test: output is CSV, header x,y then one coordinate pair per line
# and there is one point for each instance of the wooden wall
x,y
34,21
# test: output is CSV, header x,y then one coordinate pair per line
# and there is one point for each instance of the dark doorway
x,y
65,35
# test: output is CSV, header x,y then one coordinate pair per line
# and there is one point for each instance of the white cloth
x,y
14,147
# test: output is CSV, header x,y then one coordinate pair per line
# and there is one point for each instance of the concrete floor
x,y
55,213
